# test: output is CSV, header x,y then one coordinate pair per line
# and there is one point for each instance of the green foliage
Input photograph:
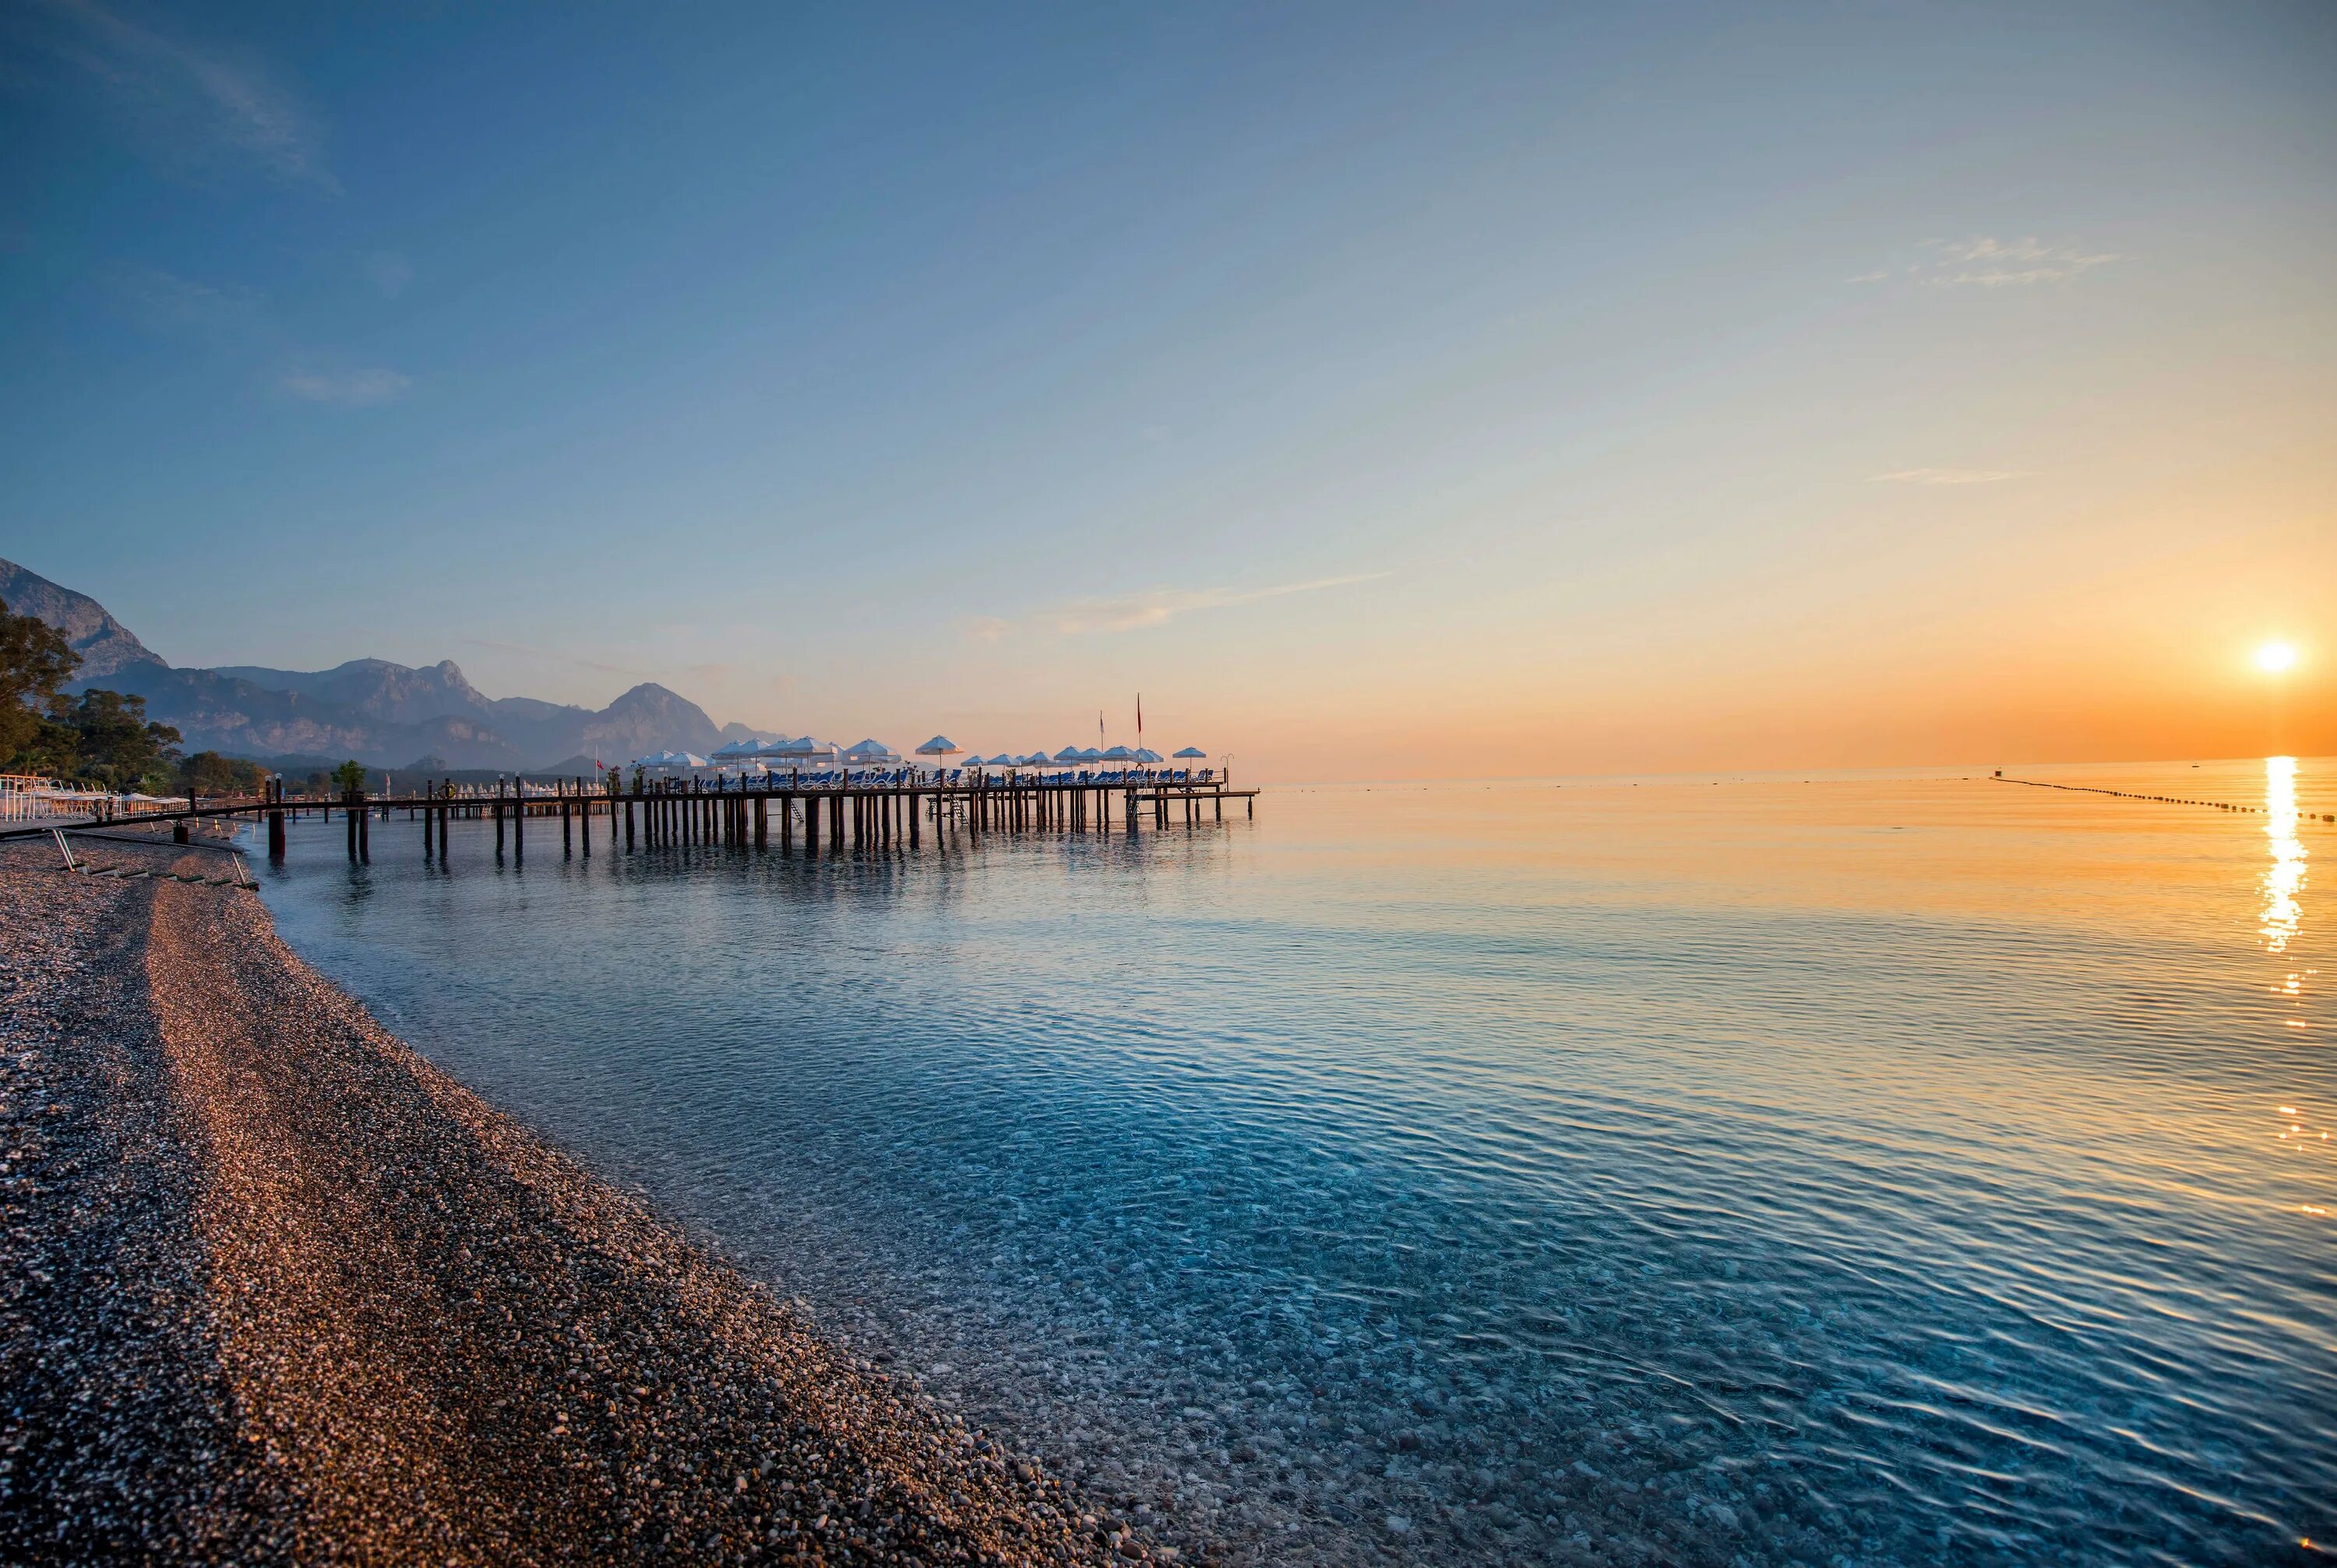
x,y
349,778
115,746
208,773
35,662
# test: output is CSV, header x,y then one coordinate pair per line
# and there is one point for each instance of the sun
x,y
2276,658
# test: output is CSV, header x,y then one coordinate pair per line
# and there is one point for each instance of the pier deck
x,y
830,818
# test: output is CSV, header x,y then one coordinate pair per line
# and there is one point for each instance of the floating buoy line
x,y
2160,799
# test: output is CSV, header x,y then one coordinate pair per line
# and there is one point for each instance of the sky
x,y
1464,389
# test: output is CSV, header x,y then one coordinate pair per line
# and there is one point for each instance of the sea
x,y
1823,1168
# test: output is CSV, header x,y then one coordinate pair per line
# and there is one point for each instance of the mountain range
x,y
384,715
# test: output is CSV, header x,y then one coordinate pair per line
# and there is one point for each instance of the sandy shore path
x,y
276,1290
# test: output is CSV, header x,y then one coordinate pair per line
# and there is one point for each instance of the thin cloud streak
x,y
2013,264
178,305
389,272
348,388
1946,476
554,656
1991,263
195,99
1158,607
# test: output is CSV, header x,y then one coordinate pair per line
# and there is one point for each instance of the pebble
x,y
277,1290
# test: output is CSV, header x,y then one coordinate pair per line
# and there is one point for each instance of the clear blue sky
x,y
1597,386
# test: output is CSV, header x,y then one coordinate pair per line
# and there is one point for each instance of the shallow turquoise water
x,y
1874,1169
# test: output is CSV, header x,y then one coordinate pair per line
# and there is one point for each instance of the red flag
x,y
1139,721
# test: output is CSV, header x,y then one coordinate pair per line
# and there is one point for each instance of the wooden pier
x,y
737,814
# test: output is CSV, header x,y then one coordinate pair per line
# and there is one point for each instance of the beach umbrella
x,y
870,754
777,748
1070,754
939,746
691,759
741,747
1192,753
1116,754
1090,754
1147,755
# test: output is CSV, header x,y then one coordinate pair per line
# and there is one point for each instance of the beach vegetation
x,y
113,744
209,773
36,662
349,778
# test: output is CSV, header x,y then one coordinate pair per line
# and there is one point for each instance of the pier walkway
x,y
731,812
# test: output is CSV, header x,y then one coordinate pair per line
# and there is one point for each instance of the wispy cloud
x,y
180,306
236,326
194,103
389,272
557,656
1991,263
1946,476
350,388
1155,607
2012,263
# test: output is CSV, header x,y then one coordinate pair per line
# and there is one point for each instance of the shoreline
x,y
280,1290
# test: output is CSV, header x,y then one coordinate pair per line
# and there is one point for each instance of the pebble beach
x,y
276,1289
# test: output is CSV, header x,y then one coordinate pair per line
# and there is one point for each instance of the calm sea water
x,y
1851,1170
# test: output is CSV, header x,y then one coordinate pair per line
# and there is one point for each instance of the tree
x,y
117,746
208,773
35,662
348,779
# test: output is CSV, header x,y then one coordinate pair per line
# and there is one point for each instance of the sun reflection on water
x,y
2283,913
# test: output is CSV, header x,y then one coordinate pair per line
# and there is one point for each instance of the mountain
x,y
105,644
378,689
383,714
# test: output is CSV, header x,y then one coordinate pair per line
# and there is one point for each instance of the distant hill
x,y
377,688
105,644
384,715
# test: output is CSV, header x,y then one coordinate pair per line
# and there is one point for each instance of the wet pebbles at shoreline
x,y
277,1290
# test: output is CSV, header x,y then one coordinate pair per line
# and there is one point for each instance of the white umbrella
x,y
1070,754
1192,752
870,754
939,746
1119,754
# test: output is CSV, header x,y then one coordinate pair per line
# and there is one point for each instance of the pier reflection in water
x,y
1905,1169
